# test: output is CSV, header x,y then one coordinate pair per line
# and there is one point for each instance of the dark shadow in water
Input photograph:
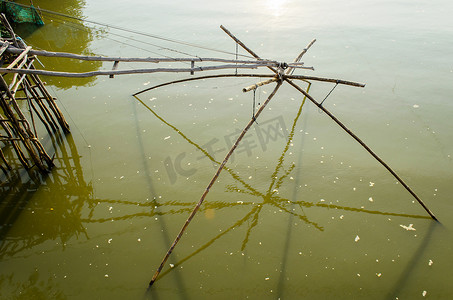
x,y
298,177
155,207
415,260
269,197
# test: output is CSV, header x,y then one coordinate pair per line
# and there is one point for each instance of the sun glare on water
x,y
276,7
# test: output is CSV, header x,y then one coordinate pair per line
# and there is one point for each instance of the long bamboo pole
x,y
126,72
11,49
296,77
211,183
397,177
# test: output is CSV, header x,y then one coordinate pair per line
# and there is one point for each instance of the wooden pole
x,y
211,183
400,180
14,50
126,72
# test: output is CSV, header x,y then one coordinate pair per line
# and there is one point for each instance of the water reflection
x,y
33,288
63,34
269,197
63,195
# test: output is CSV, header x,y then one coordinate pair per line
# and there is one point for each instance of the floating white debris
x,y
121,177
430,263
239,202
166,138
371,183
415,106
370,199
267,278
106,275
357,238
378,274
139,240
109,241
172,265
408,227
146,83
341,217
424,293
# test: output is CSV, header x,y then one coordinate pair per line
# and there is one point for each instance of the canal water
x,y
302,211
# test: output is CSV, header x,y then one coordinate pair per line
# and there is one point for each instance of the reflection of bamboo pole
x,y
400,180
211,183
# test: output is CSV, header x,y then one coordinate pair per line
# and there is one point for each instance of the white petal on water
x,y
378,274
424,293
166,138
172,265
415,106
357,238
267,278
370,199
371,183
430,263
109,241
408,227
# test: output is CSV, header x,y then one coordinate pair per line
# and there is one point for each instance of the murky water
x,y
302,211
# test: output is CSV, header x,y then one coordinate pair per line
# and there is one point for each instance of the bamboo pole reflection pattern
x,y
268,197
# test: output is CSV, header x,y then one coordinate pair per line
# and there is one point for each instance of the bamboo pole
x,y
127,72
15,50
396,176
133,71
288,71
211,183
51,103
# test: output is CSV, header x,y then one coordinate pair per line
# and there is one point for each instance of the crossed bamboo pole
x,y
280,76
368,149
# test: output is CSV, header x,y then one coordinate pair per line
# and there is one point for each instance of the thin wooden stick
x,y
201,78
355,137
211,183
290,70
400,180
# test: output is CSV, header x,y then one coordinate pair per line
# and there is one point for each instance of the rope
x,y
329,93
41,10
253,110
